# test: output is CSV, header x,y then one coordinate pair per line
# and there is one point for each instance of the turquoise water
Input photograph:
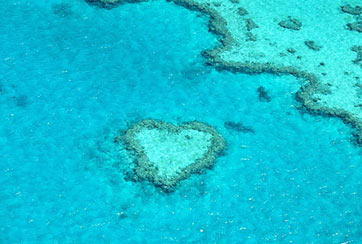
x,y
72,75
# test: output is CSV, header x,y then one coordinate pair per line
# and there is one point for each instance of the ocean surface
x,y
72,75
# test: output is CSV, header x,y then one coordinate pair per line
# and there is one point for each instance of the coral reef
x,y
250,24
111,3
242,11
358,50
21,101
166,154
356,12
259,56
238,127
263,94
291,23
260,51
355,26
351,10
250,37
312,45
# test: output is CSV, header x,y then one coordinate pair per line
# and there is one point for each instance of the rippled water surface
x,y
72,75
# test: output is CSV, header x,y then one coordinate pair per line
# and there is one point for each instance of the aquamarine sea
x,y
73,75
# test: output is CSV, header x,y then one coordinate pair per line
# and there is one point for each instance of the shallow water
x,y
72,75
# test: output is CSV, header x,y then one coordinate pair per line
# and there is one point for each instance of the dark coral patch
x,y
291,23
263,94
238,127
108,4
21,101
312,45
250,24
242,11
358,50
351,10
355,26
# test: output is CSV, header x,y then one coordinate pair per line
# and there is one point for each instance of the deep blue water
x,y
72,75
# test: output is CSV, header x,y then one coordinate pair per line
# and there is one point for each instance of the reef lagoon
x,y
77,76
